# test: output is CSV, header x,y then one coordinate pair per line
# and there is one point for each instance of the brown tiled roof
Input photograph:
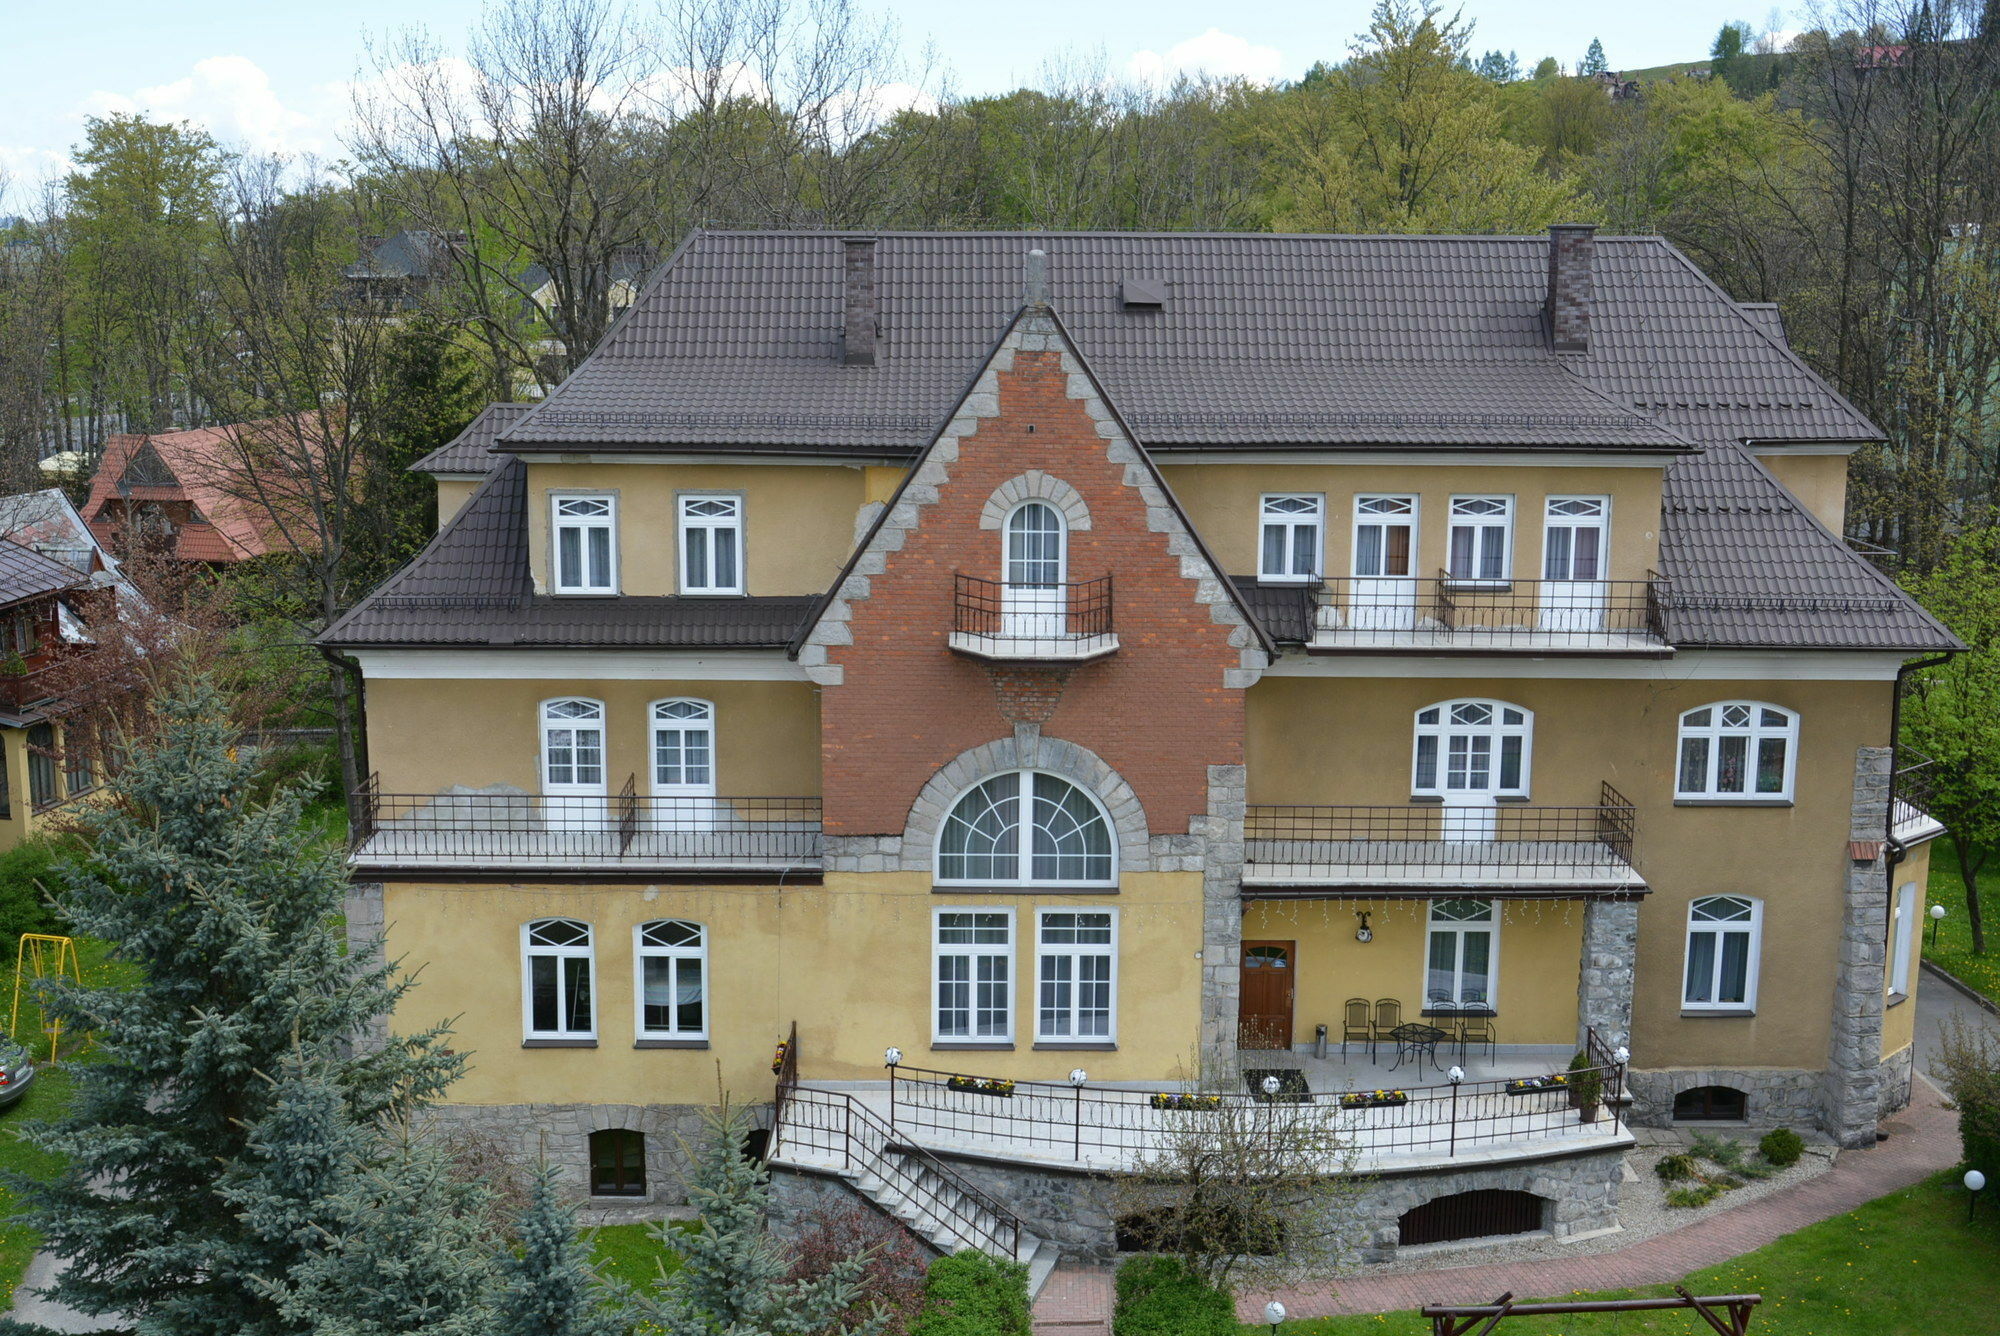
x,y
26,573
468,451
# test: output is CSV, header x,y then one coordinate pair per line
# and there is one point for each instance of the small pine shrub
x,y
1586,1083
1687,1198
1782,1147
972,1294
1162,1296
1677,1168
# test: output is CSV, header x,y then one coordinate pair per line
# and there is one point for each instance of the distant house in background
x,y
180,494
397,270
43,605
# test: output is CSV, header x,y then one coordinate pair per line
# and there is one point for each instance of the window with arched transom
x,y
1026,827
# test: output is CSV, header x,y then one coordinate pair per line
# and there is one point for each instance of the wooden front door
x,y
1265,1012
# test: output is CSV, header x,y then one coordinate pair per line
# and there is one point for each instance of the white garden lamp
x,y
892,1057
1938,913
1274,1312
1974,1181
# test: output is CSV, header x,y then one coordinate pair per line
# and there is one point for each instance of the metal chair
x,y
1438,999
1388,1015
1357,1027
1477,1030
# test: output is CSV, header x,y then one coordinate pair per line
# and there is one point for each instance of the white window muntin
x,y
583,543
1575,533
1070,840
1291,540
711,544
1737,750
1480,547
558,980
1462,954
1473,746
1902,938
972,976
682,746
1035,546
670,979
573,746
1724,940
1076,975
1385,536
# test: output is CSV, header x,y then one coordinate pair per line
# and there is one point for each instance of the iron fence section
x,y
1026,620
1448,611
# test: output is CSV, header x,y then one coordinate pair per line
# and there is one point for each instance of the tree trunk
x,y
1968,872
347,717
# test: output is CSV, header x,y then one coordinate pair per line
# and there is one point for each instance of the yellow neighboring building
x,y
1018,670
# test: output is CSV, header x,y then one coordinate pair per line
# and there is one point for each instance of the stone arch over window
x,y
1035,485
1481,1213
1079,765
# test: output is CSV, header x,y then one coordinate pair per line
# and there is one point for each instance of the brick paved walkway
x,y
1923,1140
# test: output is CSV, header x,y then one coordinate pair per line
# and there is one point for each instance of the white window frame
x,y
972,952
642,951
1007,557
531,952
1755,732
654,724
1902,939
711,525
1497,730
1075,953
1751,928
1412,514
1552,522
574,787
1024,845
585,525
1460,929
1481,525
1294,527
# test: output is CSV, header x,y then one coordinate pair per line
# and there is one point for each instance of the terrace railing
x,y
504,827
995,619
1480,616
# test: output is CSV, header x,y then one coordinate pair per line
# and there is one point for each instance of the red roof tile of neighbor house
x,y
202,466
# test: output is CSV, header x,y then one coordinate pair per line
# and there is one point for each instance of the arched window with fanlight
x,y
558,981
1737,751
1724,935
1035,563
671,958
1026,827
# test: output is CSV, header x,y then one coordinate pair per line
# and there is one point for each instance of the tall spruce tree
x,y
227,907
550,1289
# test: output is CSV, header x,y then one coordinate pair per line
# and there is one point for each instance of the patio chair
x,y
1438,999
1388,1015
1477,1030
1357,1027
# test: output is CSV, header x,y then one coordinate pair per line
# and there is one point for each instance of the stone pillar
x,y
366,923
1851,1093
1221,921
1604,973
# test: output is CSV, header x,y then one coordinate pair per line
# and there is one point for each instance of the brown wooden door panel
x,y
1264,1018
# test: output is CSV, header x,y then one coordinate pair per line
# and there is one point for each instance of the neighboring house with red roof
x,y
184,494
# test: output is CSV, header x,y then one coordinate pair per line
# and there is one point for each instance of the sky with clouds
x,y
273,76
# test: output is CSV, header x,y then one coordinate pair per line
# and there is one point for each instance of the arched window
x,y
1035,547
1026,827
1738,751
672,962
1722,949
1472,748
683,747
572,746
558,980
1711,1104
617,1163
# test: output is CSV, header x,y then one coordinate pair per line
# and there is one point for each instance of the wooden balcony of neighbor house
x,y
1032,623
502,829
1449,615
22,687
1502,846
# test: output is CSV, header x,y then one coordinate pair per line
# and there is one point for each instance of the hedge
x,y
972,1294
1162,1296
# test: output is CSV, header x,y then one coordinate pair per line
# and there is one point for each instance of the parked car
x,y
17,1072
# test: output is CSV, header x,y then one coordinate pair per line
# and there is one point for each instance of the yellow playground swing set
x,y
43,956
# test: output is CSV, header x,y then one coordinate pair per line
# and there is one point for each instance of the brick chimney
x,y
863,329
1566,311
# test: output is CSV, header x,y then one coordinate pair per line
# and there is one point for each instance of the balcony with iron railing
x,y
1451,615
1912,797
1059,623
1492,847
504,829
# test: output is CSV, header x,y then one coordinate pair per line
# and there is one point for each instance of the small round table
x,y
1418,1038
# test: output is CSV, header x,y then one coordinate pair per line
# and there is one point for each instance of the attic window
x,y
1143,294
146,469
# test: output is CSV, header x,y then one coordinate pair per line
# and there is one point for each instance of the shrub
x,y
28,872
1782,1146
1677,1168
1730,1156
1696,1196
1162,1296
894,1277
971,1294
1971,1061
1586,1085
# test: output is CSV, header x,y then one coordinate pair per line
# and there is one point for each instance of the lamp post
x,y
1974,1181
1274,1313
892,1058
1077,1076
1938,913
1455,1075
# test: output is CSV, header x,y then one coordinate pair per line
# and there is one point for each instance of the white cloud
x,y
232,98
1216,53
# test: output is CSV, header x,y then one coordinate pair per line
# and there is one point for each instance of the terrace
x,y
1446,615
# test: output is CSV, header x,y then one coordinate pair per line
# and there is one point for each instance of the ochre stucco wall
x,y
453,493
1899,1022
1819,481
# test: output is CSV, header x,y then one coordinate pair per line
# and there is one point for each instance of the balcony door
x,y
683,767
1264,1019
573,782
1385,553
1033,598
1471,753
1574,531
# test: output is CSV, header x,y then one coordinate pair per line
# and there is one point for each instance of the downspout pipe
x,y
1892,848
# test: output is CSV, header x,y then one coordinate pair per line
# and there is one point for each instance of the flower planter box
x,y
972,1085
1532,1085
1374,1099
1187,1103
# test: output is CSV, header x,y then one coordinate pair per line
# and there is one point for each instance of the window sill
x,y
558,1043
1004,889
1296,581
998,1046
583,593
1716,1013
713,593
1734,802
1437,799
1895,1000
1480,586
670,1043
1079,1046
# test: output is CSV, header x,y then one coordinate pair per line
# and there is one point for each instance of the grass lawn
x,y
1953,952
1904,1265
631,1253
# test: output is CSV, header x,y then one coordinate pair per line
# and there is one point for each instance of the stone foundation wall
x,y
1896,1073
1581,1191
1778,1096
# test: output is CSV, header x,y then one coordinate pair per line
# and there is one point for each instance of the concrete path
x,y
1937,1002
30,1306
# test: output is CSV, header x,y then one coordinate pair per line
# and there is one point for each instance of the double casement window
x,y
1472,747
1290,538
711,544
585,532
1738,751
1901,937
617,1163
558,984
1463,952
1076,954
974,969
671,959
683,748
1723,933
1481,540
1025,828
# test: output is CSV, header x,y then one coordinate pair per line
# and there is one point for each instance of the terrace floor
x,y
1552,864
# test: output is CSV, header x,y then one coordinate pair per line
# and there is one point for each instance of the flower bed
x,y
1180,1103
1528,1085
1374,1099
981,1085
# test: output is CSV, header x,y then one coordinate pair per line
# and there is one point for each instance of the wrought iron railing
x,y
1911,790
490,827
1116,1128
1503,840
1452,612
1031,620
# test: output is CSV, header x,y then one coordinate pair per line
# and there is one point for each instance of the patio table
x,y
1417,1038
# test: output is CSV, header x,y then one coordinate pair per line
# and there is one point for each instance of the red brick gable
x,y
899,704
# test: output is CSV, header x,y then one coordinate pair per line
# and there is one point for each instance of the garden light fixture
x,y
1077,1076
1974,1181
892,1057
1274,1313
1938,913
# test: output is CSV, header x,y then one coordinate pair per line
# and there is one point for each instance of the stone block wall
x,y
1778,1096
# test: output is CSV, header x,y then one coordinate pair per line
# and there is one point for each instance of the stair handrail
x,y
1007,1231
